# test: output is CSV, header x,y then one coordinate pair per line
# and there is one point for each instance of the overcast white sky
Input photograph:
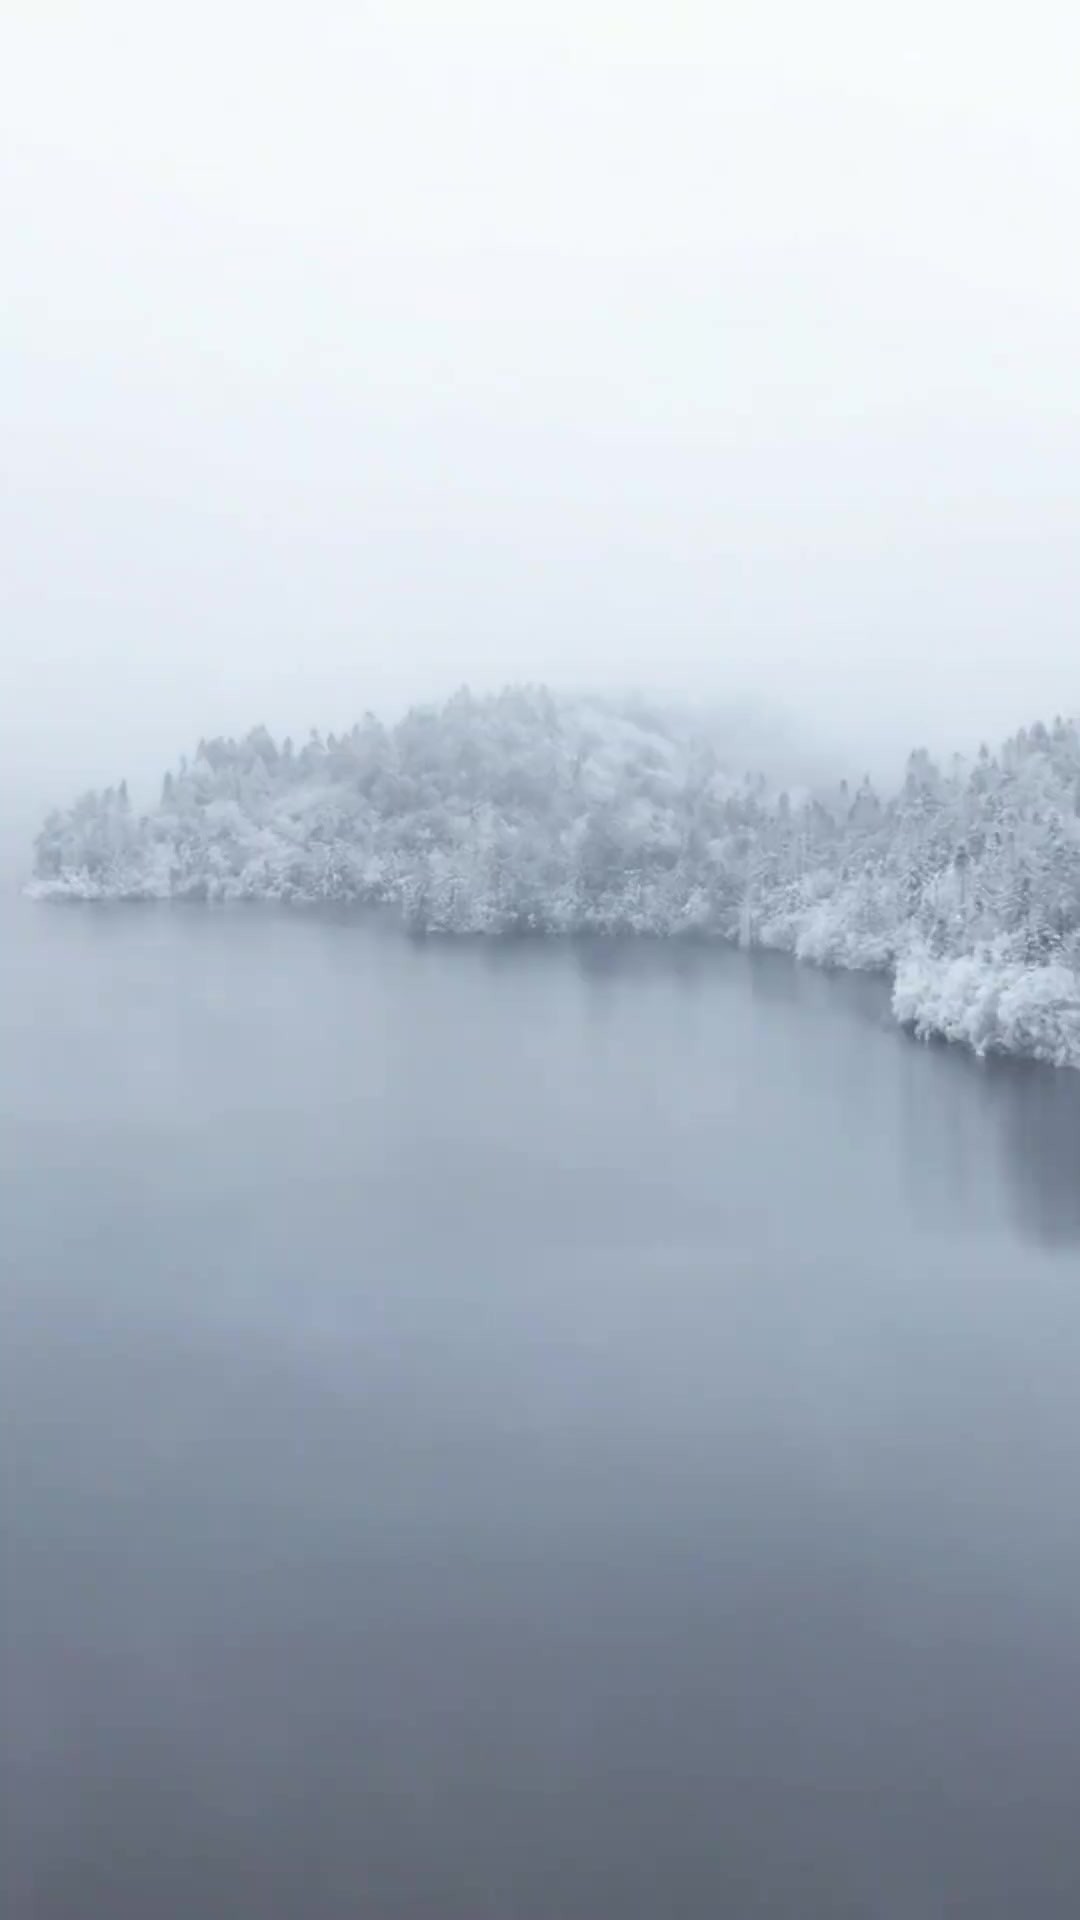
x,y
350,351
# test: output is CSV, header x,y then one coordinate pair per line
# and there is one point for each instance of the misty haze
x,y
540,858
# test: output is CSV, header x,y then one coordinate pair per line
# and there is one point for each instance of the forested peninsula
x,y
523,812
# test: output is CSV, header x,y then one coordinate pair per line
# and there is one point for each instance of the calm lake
x,y
525,1432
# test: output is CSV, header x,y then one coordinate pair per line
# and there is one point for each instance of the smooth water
x,y
526,1432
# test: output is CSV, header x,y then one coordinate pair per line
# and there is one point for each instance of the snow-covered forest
x,y
521,812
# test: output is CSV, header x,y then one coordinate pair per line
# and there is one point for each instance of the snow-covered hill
x,y
521,812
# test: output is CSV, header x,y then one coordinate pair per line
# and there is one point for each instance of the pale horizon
x,y
730,358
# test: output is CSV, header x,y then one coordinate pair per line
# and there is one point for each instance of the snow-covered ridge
x,y
521,812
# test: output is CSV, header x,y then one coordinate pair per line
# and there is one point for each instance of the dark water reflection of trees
x,y
1002,1133
1006,1132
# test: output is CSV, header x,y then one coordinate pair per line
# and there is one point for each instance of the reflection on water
x,y
976,1134
526,1429
1038,1120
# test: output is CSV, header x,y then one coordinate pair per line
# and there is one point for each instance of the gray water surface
x,y
526,1432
